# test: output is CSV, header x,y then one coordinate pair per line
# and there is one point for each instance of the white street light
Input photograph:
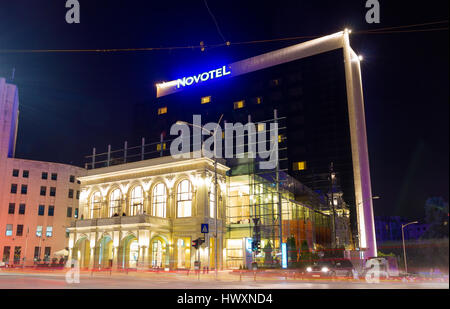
x,y
404,249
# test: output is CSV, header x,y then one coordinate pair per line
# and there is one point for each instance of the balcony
x,y
123,220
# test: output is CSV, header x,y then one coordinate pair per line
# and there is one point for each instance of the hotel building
x,y
317,87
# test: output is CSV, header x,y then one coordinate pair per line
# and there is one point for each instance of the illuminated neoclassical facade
x,y
145,214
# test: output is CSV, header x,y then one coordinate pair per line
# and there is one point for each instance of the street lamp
x,y
216,198
403,239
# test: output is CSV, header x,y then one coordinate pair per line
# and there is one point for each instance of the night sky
x,y
71,102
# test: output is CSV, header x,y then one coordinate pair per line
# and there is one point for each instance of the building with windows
x,y
37,199
316,86
146,214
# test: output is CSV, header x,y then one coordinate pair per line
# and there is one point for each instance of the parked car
x,y
330,269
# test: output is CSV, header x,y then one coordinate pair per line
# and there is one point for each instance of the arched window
x,y
159,198
95,205
184,199
137,201
114,203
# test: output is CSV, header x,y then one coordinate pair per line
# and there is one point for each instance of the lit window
x,y
9,231
206,99
184,199
239,104
159,200
39,231
115,200
261,127
299,166
258,100
162,110
49,231
158,147
137,201
212,200
96,204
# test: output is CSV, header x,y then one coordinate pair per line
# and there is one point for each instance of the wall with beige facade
x,y
120,229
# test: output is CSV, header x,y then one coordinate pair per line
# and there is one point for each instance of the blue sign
x,y
205,228
283,255
202,77
248,244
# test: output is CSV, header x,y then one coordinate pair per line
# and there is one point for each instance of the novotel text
x,y
202,77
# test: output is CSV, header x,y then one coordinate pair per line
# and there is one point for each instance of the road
x,y
43,280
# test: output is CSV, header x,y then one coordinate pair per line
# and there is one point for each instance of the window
x,y
9,228
76,213
72,178
69,212
49,231
6,253
43,190
19,231
137,201
162,110
14,188
44,175
260,127
115,199
258,100
205,100
51,210
239,104
158,146
47,253
25,174
39,231
21,209
54,176
299,166
78,195
37,253
17,252
41,210
52,191
184,199
15,173
24,189
159,198
70,193
212,200
11,208
96,205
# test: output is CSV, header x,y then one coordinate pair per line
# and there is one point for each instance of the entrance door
x,y
157,254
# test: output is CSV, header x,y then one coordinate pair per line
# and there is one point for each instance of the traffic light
x,y
195,243
256,246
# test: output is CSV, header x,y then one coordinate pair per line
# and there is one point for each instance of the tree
x,y
436,215
268,258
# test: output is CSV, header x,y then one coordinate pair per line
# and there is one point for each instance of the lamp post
x,y
215,187
403,239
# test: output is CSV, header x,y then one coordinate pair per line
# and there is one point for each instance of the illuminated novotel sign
x,y
202,77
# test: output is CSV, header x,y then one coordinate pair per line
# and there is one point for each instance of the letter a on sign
x,y
205,228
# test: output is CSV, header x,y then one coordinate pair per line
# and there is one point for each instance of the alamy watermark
x,y
373,14
73,14
228,143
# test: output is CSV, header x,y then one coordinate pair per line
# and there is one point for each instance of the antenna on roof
x,y
13,73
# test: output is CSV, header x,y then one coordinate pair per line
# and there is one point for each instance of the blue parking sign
x,y
205,228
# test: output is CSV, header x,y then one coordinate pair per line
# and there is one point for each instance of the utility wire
x,y
374,31
215,21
